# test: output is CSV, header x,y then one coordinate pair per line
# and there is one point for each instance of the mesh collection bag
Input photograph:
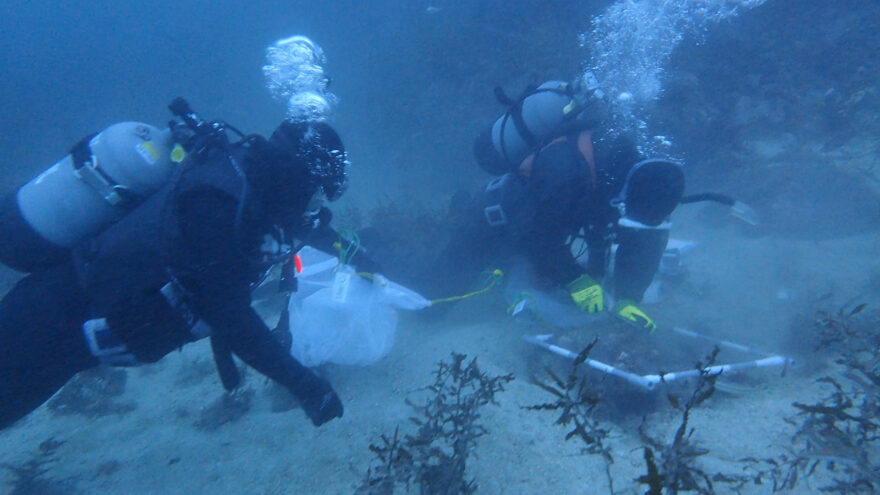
x,y
340,317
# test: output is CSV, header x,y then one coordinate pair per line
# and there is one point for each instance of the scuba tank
x,y
537,116
531,120
104,177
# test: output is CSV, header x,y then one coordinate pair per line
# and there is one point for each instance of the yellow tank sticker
x,y
148,151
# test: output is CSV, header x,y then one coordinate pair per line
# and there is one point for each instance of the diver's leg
x,y
637,260
41,342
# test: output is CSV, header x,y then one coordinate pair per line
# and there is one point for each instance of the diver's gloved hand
x,y
587,294
626,310
320,403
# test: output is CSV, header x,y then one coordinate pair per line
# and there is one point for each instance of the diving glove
x,y
320,403
627,310
587,294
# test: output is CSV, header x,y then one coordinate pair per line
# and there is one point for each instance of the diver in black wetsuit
x,y
177,268
575,176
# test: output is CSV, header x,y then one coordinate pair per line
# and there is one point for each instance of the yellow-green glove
x,y
587,294
627,310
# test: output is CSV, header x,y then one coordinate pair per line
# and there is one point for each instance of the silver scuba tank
x,y
102,179
527,124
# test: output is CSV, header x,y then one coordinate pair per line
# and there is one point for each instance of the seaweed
x,y
672,467
837,438
396,466
30,477
577,404
435,457
840,434
836,329
836,441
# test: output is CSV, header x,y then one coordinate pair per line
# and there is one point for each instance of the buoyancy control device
x,y
103,177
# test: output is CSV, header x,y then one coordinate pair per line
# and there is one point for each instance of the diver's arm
x,y
546,248
597,261
551,257
221,295
239,327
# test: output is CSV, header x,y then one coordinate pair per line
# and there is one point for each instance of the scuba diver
x,y
140,241
562,175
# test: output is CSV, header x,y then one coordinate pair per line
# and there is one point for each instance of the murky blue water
x,y
772,101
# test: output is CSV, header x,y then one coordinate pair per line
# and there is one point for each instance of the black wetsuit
x,y
204,232
537,216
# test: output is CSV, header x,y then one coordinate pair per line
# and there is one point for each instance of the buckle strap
x,y
177,298
87,169
495,216
104,344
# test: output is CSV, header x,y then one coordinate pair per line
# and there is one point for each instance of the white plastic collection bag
x,y
339,317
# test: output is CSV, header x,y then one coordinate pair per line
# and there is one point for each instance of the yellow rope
x,y
494,280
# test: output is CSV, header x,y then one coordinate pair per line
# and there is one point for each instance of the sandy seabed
x,y
741,288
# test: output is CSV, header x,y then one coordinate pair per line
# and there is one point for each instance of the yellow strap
x,y
369,276
494,279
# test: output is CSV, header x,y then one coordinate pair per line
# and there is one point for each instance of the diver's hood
x,y
319,148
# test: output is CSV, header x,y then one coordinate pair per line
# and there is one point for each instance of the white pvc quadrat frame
x,y
649,382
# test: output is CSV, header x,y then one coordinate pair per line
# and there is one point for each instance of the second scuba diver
x,y
561,173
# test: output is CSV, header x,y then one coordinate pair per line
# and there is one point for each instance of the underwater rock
x,y
808,201
91,393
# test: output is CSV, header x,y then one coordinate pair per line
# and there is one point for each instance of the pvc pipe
x,y
633,378
719,369
649,382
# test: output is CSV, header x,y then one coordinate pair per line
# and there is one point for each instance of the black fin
x,y
229,376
